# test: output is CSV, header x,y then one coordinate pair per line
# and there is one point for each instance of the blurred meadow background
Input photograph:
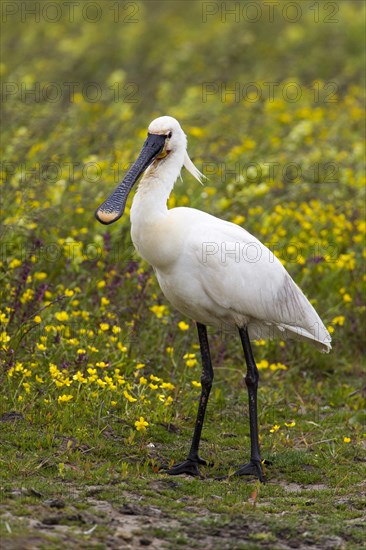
x,y
100,376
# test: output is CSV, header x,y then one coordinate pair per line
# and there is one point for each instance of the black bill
x,y
113,207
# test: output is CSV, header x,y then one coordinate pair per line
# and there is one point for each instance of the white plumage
x,y
210,270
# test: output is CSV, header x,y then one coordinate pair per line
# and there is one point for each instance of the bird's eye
x,y
169,135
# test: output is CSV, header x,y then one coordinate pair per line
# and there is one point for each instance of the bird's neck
x,y
150,201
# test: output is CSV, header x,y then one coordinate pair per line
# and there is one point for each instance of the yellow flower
x,y
141,424
196,384
14,263
27,295
290,424
116,329
69,292
143,380
104,327
339,320
41,347
104,301
73,341
347,439
347,297
196,131
54,371
65,398
63,382
190,359
183,326
101,284
167,386
40,275
61,316
129,397
121,347
79,377
263,364
4,337
260,342
37,319
277,366
275,428
159,311
248,144
3,318
109,381
238,219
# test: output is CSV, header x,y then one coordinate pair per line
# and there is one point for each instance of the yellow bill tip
x,y
107,217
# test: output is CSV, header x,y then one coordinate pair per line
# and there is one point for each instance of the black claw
x,y
253,468
189,467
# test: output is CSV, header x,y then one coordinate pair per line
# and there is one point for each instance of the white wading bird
x,y
211,270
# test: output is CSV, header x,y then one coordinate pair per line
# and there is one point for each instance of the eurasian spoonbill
x,y
211,270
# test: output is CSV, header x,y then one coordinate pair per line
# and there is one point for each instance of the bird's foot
x,y
189,467
253,468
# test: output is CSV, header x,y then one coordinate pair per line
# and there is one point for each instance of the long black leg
x,y
254,467
190,466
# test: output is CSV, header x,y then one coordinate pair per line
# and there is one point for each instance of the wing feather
x,y
240,274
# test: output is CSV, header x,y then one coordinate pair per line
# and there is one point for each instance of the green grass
x,y
88,343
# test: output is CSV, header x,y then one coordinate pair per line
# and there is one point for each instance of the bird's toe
x,y
188,467
253,468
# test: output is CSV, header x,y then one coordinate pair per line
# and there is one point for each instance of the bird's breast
x,y
157,242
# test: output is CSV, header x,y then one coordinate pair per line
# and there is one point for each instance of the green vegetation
x,y
100,376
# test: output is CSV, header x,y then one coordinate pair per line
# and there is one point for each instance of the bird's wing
x,y
240,274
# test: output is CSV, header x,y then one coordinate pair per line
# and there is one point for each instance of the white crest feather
x,y
188,164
